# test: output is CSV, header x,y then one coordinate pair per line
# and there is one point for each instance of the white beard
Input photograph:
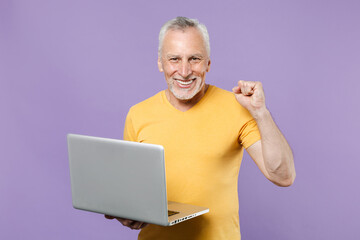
x,y
184,95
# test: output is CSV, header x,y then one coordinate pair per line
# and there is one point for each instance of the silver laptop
x,y
123,179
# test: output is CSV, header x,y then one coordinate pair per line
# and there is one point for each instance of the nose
x,y
185,69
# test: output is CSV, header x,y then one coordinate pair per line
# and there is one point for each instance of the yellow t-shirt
x,y
203,152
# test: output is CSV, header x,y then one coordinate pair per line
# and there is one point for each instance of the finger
x,y
144,225
128,223
247,87
241,83
136,225
242,86
125,222
236,90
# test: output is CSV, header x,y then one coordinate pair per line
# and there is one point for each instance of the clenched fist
x,y
251,96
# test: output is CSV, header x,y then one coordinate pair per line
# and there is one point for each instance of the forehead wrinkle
x,y
169,55
197,55
172,55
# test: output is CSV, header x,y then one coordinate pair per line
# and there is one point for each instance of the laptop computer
x,y
123,179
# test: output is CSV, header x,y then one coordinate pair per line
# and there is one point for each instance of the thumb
x,y
236,90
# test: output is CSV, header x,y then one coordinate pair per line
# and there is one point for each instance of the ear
x,y
160,65
208,65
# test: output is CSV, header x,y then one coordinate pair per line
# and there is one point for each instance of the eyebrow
x,y
198,55
172,55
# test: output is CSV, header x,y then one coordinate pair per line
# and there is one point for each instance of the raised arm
x,y
272,154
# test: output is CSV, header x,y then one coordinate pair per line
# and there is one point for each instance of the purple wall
x,y
77,66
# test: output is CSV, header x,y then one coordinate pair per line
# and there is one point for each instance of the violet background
x,y
77,66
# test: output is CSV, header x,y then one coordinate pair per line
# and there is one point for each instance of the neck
x,y
184,105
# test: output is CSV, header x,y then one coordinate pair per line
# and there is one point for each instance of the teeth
x,y
185,83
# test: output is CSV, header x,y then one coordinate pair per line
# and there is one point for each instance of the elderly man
x,y
204,131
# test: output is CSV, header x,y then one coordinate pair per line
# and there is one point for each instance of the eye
x,y
195,59
174,59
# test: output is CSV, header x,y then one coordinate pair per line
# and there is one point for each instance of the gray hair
x,y
181,23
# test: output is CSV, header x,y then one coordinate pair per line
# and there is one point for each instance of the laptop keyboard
x,y
170,213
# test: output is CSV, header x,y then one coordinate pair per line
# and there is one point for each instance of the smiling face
x,y
184,61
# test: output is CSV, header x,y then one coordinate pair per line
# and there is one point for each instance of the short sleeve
x,y
249,134
129,132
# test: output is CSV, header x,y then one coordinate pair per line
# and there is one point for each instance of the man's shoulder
x,y
226,101
219,94
221,91
147,104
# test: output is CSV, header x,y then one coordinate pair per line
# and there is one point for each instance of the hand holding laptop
x,y
128,223
100,169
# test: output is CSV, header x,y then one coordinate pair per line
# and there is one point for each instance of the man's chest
x,y
212,135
